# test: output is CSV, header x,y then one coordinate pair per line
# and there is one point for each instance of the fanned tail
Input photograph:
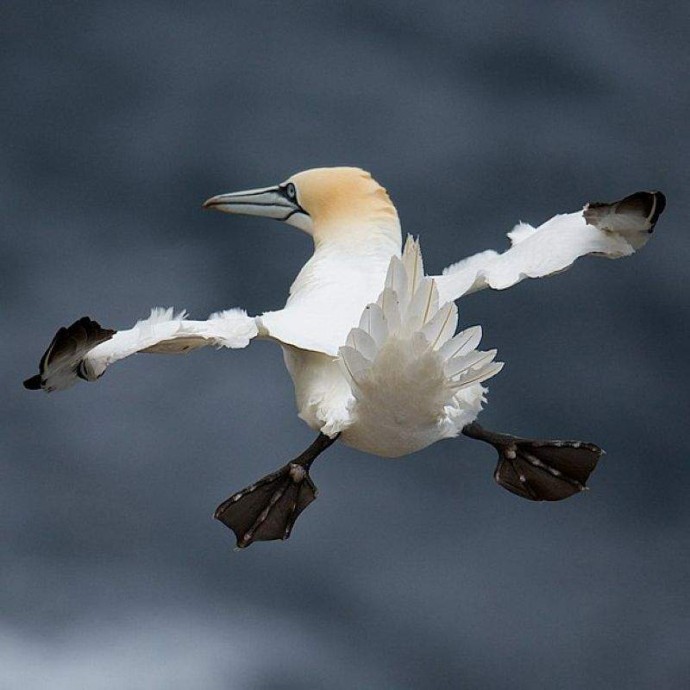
x,y
413,379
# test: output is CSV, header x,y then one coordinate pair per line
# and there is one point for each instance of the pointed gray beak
x,y
270,202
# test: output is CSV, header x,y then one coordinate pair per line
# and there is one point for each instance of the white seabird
x,y
369,340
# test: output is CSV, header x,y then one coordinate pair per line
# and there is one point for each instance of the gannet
x,y
369,339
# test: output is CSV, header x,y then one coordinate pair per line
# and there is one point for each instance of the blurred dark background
x,y
117,121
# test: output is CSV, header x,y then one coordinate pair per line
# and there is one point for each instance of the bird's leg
x,y
268,508
539,470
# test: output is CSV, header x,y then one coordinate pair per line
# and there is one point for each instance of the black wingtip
x,y
648,204
33,383
640,207
660,206
69,344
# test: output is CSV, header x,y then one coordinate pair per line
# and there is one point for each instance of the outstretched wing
x,y
84,350
612,230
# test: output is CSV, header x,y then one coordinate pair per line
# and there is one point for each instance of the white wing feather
x,y
84,350
610,230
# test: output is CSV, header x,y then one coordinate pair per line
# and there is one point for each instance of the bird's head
x,y
327,203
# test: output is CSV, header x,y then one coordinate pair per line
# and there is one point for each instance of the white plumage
x,y
548,249
412,383
370,340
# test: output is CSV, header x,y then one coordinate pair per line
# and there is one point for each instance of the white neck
x,y
380,236
346,272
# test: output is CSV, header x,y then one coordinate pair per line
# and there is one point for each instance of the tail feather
x,y
462,343
361,341
396,277
390,306
356,364
374,323
404,352
471,377
413,264
422,307
442,326
458,366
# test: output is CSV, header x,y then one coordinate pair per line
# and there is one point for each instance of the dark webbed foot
x,y
539,470
268,508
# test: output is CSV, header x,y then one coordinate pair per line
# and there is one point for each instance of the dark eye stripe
x,y
289,192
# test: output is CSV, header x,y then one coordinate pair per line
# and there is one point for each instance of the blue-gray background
x,y
117,121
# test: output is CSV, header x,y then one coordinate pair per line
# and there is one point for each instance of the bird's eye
x,y
291,191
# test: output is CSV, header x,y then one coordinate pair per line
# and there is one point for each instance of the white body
x,y
389,389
